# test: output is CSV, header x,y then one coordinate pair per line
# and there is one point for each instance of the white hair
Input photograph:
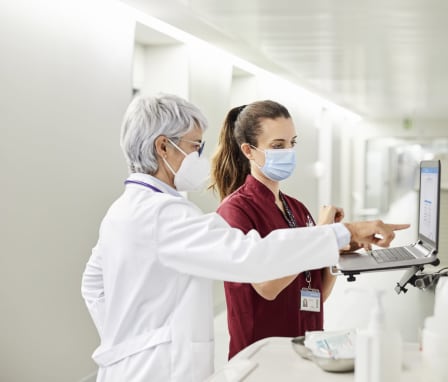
x,y
147,118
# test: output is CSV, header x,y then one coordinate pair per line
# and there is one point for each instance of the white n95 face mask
x,y
193,173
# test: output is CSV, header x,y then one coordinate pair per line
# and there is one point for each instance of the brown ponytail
x,y
230,166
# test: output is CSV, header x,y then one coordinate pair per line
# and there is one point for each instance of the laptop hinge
x,y
424,250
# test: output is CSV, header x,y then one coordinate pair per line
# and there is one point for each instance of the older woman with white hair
x,y
148,282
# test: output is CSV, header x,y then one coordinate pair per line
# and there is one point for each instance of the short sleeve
x,y
236,217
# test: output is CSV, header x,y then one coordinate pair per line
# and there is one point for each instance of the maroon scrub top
x,y
250,317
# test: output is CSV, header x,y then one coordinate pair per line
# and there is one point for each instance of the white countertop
x,y
274,359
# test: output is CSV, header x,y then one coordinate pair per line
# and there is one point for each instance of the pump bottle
x,y
378,349
435,337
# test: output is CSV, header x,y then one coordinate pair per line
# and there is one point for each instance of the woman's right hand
x,y
374,232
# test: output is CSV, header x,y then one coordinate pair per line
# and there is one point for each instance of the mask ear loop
x,y
169,166
262,151
256,148
177,147
166,162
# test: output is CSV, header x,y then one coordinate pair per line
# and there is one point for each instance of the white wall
x,y
65,75
165,70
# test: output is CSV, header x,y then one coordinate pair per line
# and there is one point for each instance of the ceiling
x,y
380,58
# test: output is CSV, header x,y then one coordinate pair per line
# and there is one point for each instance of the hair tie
x,y
241,108
235,112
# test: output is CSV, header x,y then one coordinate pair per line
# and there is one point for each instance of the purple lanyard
x,y
147,185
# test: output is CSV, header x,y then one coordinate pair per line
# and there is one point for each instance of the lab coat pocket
x,y
201,353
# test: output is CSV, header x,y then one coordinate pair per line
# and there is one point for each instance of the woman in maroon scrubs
x,y
256,152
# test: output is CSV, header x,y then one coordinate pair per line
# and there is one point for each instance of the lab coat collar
x,y
153,181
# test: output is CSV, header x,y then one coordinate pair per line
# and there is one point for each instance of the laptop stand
x,y
410,277
417,280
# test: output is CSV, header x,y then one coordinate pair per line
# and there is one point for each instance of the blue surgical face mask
x,y
279,163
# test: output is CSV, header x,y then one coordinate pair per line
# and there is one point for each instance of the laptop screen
x,y
429,202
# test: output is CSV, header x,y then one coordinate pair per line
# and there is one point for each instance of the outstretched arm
x,y
327,215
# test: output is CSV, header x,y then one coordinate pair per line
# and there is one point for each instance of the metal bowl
x,y
335,365
298,344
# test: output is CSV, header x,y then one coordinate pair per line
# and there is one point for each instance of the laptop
x,y
423,250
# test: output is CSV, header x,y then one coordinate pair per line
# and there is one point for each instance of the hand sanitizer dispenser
x,y
378,349
435,337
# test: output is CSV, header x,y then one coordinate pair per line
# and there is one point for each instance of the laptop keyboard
x,y
391,254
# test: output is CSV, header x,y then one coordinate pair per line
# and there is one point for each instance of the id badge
x,y
310,300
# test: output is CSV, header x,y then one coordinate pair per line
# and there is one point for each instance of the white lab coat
x,y
148,282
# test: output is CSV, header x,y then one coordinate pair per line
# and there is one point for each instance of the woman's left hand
x,y
353,246
330,214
